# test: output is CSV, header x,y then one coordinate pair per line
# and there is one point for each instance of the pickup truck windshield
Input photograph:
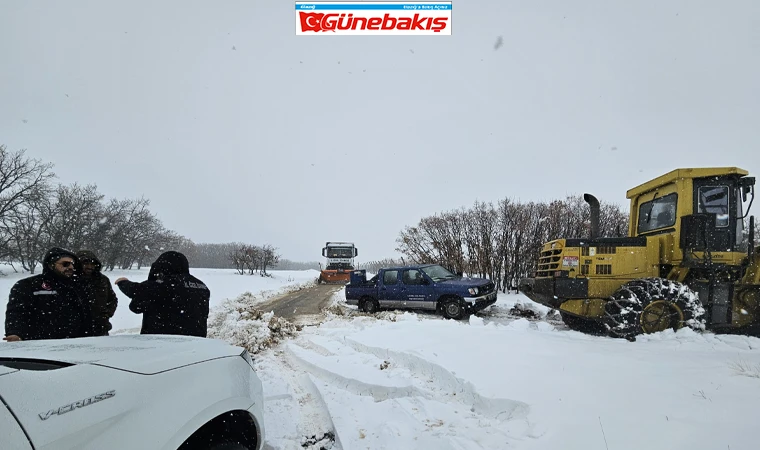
x,y
438,273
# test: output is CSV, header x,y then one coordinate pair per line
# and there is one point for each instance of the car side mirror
x,y
424,281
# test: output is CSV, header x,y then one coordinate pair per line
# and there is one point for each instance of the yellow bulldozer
x,y
687,261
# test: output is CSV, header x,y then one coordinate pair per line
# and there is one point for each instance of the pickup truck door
x,y
389,291
414,292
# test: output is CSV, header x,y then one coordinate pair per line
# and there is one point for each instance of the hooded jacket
x,y
48,305
98,291
171,300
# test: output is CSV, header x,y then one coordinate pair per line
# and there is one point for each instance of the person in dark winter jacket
x,y
48,305
96,287
171,300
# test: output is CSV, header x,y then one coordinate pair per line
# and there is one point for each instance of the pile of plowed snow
x,y
240,322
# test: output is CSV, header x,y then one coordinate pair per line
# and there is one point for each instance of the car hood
x,y
144,354
6,370
465,282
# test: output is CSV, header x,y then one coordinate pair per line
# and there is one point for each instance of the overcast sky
x,y
236,129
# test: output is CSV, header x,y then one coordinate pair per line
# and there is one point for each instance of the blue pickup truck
x,y
428,286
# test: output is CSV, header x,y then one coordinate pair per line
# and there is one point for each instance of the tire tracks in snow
x,y
379,398
313,395
300,413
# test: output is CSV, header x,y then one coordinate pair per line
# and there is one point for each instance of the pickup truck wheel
x,y
369,305
452,309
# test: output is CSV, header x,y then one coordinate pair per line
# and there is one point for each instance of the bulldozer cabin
x,y
687,261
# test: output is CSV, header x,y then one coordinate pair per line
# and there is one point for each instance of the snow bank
x,y
241,324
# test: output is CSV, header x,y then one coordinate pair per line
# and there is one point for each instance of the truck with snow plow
x,y
426,286
339,262
687,261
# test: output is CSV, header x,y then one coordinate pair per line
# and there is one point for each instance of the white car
x,y
147,392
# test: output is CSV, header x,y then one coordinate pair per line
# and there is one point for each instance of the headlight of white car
x,y
247,357
473,291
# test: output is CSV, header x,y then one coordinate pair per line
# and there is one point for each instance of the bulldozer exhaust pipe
x,y
594,204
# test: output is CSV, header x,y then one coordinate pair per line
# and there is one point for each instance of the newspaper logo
x,y
373,18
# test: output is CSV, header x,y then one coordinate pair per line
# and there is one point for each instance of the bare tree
x,y
253,259
239,257
73,214
269,258
21,180
27,229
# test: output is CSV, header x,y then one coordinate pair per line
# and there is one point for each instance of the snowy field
x,y
501,380
416,381
223,283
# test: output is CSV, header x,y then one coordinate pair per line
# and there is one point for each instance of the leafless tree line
x,y
217,256
253,258
36,214
502,242
375,266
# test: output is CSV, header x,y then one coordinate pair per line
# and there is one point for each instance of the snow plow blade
x,y
334,277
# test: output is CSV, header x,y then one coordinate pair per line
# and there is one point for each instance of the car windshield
x,y
438,273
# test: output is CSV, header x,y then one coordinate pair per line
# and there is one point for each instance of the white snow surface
x,y
402,380
405,380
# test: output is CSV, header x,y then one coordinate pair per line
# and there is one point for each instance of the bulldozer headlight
x,y
473,291
561,274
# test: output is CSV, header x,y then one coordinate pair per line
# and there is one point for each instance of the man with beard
x,y
97,289
48,305
171,300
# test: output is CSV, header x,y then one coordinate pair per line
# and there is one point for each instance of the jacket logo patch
x,y
80,404
46,286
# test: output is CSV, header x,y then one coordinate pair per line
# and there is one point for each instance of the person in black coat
x,y
48,305
171,300
96,287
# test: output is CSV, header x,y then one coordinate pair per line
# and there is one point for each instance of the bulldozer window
x,y
658,213
714,199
